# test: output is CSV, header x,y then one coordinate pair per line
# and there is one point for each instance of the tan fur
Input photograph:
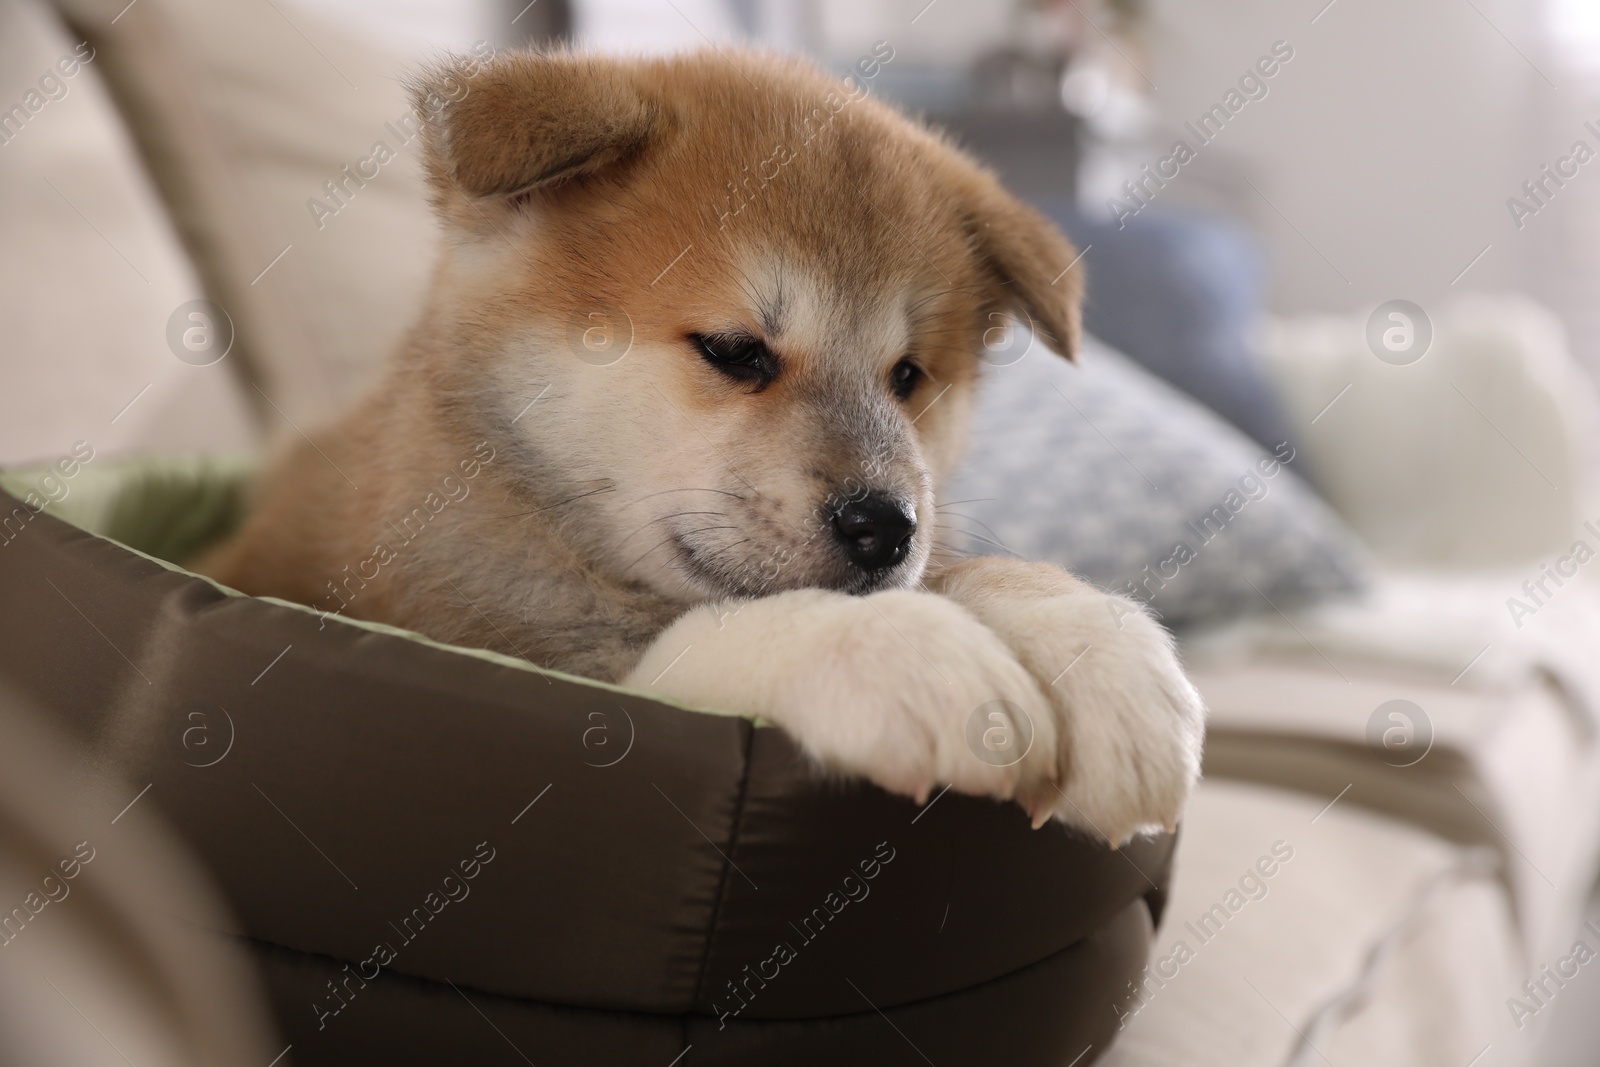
x,y
598,212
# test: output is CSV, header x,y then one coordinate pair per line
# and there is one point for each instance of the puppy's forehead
x,y
839,180
810,311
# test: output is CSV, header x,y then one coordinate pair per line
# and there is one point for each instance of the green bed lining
x,y
170,508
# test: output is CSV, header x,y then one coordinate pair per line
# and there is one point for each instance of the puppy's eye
x,y
904,378
745,359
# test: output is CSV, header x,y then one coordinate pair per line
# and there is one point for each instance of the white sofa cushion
x,y
1482,452
1253,969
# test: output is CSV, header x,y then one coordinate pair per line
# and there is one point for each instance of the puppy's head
x,y
724,311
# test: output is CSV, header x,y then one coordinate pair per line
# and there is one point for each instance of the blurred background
x,y
1378,165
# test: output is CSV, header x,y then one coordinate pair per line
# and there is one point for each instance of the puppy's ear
x,y
1035,266
523,121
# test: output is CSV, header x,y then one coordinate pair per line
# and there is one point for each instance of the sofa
x,y
1389,859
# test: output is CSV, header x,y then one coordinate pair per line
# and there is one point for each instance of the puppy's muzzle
x,y
876,530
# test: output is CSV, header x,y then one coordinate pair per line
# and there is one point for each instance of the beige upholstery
x,y
242,112
1508,771
90,270
1290,968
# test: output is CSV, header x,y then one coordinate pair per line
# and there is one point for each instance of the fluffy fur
x,y
555,466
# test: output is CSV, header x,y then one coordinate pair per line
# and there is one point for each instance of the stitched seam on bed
x,y
687,1017
722,883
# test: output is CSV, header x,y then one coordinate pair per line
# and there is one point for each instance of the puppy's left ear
x,y
1035,267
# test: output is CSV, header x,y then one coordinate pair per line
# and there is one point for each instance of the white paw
x,y
1131,724
904,688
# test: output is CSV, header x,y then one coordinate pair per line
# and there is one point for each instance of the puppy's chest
x,y
564,620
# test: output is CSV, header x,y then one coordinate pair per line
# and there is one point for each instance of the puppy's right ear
x,y
521,122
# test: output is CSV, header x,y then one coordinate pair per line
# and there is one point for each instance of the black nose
x,y
875,530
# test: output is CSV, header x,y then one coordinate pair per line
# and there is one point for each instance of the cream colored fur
x,y
884,685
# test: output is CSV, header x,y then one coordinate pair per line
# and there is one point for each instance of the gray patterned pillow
x,y
1111,473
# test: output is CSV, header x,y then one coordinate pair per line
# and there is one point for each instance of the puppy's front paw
x,y
904,688
1131,724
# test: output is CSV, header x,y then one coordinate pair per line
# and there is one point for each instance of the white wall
x,y
1391,141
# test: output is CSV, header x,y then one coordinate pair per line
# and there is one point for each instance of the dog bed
x,y
442,854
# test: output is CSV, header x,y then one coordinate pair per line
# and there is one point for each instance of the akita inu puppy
x,y
704,334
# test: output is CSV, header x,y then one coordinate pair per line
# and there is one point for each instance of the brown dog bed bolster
x,y
443,853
